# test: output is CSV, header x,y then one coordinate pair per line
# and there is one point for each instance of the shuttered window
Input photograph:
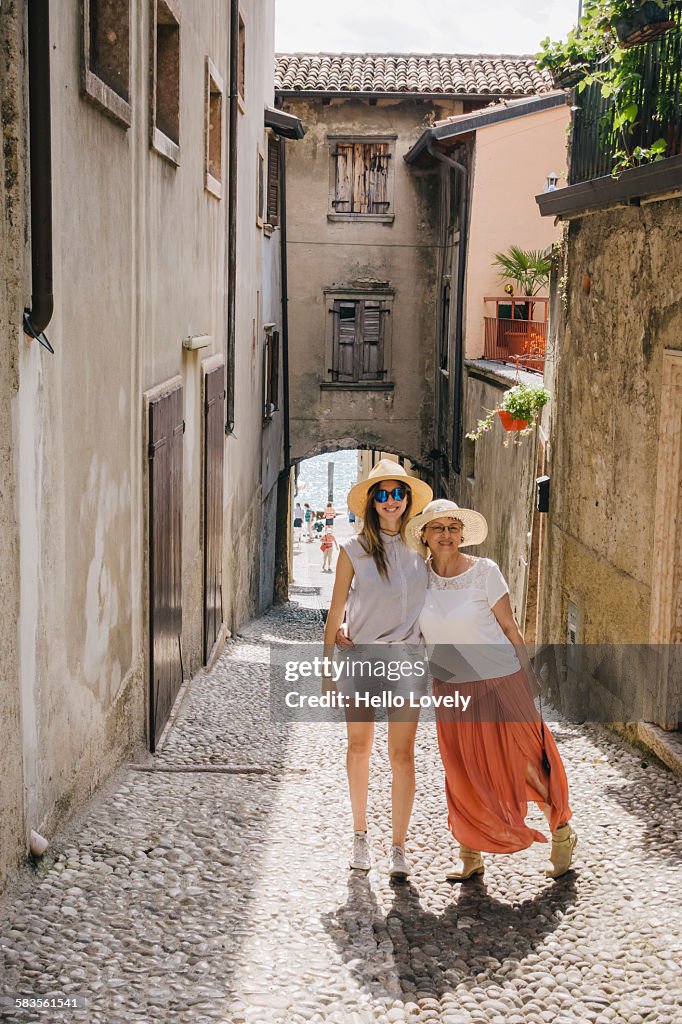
x,y
270,373
273,182
361,178
358,349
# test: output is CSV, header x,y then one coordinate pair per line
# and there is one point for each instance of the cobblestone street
x,y
215,888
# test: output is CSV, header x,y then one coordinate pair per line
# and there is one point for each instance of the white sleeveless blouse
x,y
385,611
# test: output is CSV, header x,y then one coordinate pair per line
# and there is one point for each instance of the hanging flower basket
x,y
508,421
568,78
642,24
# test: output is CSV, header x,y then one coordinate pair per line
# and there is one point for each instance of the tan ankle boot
x,y
472,864
564,841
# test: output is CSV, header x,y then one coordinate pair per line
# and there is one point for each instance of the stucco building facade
x,y
365,240
132,499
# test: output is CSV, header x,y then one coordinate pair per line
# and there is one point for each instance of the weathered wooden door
x,y
214,448
166,427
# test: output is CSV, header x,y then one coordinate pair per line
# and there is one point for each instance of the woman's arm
x,y
505,617
342,582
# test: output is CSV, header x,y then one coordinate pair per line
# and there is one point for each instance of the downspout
x,y
461,282
285,305
232,213
282,532
39,315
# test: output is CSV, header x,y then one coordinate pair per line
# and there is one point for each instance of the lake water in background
x,y
312,479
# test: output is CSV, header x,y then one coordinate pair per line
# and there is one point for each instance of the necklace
x,y
462,561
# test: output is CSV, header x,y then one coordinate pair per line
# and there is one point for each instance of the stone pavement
x,y
215,887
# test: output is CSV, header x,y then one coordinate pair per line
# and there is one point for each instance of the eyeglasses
x,y
382,496
438,530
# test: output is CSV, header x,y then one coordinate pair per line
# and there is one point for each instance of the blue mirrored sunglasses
x,y
398,493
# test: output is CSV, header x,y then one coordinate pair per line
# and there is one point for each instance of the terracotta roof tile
x,y
465,74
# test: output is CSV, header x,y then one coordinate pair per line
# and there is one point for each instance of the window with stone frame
x,y
361,178
358,340
105,56
165,80
214,130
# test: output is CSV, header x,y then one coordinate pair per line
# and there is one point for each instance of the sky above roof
x,y
428,26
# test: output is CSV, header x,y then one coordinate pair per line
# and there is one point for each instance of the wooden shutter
x,y
343,186
273,181
214,452
345,333
361,177
372,348
379,156
274,371
166,427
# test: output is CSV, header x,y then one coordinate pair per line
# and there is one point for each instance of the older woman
x,y
496,755
380,584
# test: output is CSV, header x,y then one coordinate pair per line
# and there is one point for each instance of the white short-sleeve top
x,y
458,612
385,610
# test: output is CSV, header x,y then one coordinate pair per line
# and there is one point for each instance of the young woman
x,y
496,755
380,585
329,542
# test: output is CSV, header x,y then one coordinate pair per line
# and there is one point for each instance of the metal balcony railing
x,y
655,86
520,342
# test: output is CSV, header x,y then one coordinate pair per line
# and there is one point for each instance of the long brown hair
x,y
370,535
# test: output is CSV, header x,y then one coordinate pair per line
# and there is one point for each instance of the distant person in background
x,y
330,514
329,542
308,516
298,522
319,524
351,520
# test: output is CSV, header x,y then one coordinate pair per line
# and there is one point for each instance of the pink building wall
x,y
512,161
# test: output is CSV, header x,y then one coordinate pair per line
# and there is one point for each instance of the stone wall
x,y
620,296
498,481
401,256
13,295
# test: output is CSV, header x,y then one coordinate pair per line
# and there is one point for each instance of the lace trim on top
x,y
474,576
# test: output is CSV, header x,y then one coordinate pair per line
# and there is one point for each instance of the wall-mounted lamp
x,y
552,181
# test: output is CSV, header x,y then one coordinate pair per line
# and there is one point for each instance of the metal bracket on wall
x,y
28,329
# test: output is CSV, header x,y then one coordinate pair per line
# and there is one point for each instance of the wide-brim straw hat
x,y
474,524
387,470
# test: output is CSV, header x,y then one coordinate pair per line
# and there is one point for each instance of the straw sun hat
x,y
475,525
387,470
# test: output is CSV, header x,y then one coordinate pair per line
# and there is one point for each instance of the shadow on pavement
x,y
411,952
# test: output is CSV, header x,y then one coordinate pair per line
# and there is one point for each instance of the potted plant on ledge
x,y
637,21
518,412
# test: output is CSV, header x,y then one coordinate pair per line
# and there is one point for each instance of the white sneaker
x,y
360,860
400,868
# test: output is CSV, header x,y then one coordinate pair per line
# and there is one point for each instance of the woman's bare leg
x,y
401,754
360,740
536,782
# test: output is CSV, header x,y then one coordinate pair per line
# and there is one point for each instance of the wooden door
x,y
166,428
214,450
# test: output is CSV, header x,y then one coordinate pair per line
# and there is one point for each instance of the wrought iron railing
x,y
655,87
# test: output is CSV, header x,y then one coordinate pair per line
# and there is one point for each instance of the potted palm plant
x,y
518,411
528,268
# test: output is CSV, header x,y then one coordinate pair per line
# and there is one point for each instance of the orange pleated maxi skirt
x,y
486,751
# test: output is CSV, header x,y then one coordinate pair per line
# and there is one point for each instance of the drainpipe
x,y
461,282
39,315
283,528
232,213
285,304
